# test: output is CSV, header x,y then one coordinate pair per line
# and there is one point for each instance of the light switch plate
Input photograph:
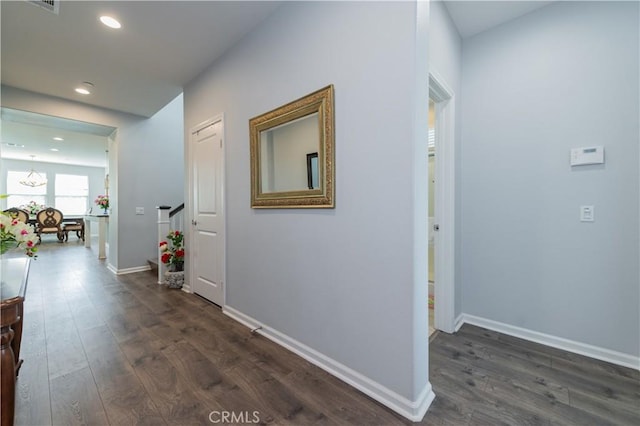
x,y
587,214
139,210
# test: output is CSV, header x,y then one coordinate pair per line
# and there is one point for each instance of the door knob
x,y
436,227
194,222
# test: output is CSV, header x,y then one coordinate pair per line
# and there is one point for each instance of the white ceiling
x,y
162,46
473,17
24,134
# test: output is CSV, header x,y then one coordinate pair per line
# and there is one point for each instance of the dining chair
x,y
21,215
77,227
49,221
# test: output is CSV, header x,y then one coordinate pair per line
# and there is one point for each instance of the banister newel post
x,y
163,230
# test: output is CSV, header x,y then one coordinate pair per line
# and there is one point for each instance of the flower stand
x,y
174,279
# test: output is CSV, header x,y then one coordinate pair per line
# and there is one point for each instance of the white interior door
x,y
208,247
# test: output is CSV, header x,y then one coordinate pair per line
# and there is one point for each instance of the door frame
x,y
445,176
189,190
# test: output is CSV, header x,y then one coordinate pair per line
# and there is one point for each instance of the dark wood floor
x,y
100,349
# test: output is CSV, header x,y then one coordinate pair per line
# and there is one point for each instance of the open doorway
x,y
441,205
432,200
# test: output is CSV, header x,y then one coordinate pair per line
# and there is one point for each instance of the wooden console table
x,y
13,286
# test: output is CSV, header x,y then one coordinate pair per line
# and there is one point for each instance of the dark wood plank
x,y
452,351
554,353
212,385
265,389
75,400
162,382
33,406
124,350
337,400
65,353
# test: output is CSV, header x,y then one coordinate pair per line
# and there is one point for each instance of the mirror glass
x,y
283,154
292,154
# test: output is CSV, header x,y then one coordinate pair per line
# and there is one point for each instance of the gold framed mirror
x,y
292,154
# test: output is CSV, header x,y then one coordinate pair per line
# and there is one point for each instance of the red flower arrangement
x,y
173,256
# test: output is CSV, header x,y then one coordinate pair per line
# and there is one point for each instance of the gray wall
x,y
445,58
142,149
151,173
562,77
348,282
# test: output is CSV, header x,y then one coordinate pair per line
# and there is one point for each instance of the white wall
x,y
445,60
562,77
346,282
146,163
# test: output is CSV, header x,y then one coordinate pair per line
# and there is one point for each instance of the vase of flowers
x,y
102,201
172,255
32,207
17,234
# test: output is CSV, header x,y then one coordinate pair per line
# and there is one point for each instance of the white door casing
x,y
207,247
444,238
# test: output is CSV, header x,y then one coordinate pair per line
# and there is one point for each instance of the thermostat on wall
x,y
584,156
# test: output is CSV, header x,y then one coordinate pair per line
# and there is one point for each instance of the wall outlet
x,y
139,210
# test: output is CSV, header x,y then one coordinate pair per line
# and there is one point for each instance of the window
x,y
19,195
71,194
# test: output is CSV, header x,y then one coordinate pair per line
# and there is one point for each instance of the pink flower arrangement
x,y
15,233
102,201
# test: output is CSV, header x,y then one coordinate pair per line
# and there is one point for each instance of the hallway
x,y
103,349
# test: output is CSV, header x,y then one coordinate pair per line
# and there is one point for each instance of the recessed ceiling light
x,y
84,88
110,22
15,145
54,149
58,138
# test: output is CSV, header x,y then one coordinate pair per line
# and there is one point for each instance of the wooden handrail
x,y
176,210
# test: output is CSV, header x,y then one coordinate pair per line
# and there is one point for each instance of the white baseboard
x,y
596,352
412,410
129,270
458,323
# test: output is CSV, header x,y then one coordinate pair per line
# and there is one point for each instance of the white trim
x,y
128,270
458,323
444,259
596,352
412,410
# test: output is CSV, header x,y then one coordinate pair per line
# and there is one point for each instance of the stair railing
x,y
168,220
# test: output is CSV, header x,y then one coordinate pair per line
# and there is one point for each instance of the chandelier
x,y
34,178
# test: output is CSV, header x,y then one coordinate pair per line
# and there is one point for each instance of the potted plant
x,y
172,255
